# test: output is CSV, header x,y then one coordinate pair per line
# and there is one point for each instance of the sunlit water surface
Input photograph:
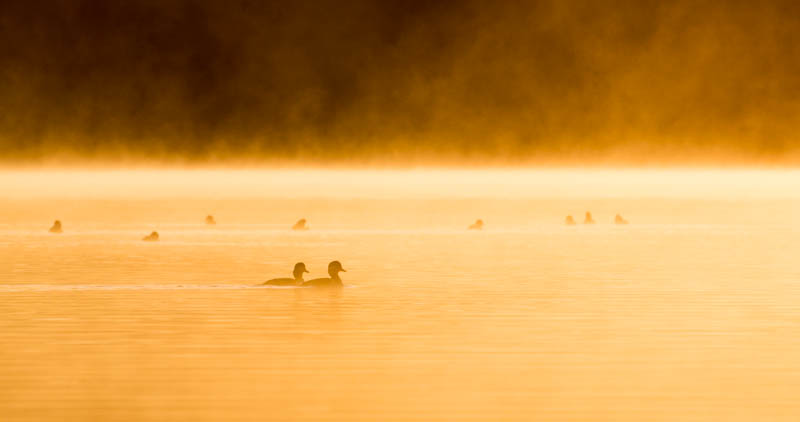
x,y
691,312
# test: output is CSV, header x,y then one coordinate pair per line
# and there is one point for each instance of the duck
x,y
334,281
569,221
210,220
152,237
619,220
56,227
477,225
588,219
300,225
298,271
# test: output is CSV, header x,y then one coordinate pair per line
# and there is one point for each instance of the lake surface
x,y
691,312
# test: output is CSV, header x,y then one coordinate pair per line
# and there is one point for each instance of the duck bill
x,y
342,269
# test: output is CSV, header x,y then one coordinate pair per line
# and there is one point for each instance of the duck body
x,y
588,219
300,225
323,282
56,227
477,225
298,271
333,281
286,281
619,220
152,237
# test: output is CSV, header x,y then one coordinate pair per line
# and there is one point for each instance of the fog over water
x,y
400,82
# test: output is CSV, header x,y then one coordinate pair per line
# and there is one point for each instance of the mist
x,y
400,82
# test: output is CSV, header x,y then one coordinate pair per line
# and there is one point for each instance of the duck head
x,y
299,269
334,268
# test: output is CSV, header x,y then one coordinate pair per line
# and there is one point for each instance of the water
x,y
689,313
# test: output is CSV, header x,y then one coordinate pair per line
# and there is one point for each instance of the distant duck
x,y
210,220
619,220
477,225
299,269
152,237
300,225
334,281
569,221
56,227
588,219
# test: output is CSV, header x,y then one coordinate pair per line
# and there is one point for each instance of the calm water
x,y
692,312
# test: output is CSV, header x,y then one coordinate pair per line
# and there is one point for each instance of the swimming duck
x,y
298,271
210,220
152,237
588,219
569,221
477,225
334,281
300,225
619,220
56,227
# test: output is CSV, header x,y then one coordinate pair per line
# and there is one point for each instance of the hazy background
x,y
400,82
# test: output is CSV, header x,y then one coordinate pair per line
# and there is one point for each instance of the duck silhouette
x,y
588,219
619,220
298,271
56,227
300,225
334,281
152,237
210,220
477,225
569,221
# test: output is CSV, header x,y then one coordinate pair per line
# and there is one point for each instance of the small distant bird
x,y
477,225
619,220
300,225
569,221
152,237
299,269
56,227
588,219
210,220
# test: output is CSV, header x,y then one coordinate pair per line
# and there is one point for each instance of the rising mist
x,y
400,81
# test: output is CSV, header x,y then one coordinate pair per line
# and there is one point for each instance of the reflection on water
x,y
688,313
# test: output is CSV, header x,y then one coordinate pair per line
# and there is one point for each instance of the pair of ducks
x,y
334,268
589,220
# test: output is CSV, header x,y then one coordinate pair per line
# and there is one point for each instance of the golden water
x,y
691,312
